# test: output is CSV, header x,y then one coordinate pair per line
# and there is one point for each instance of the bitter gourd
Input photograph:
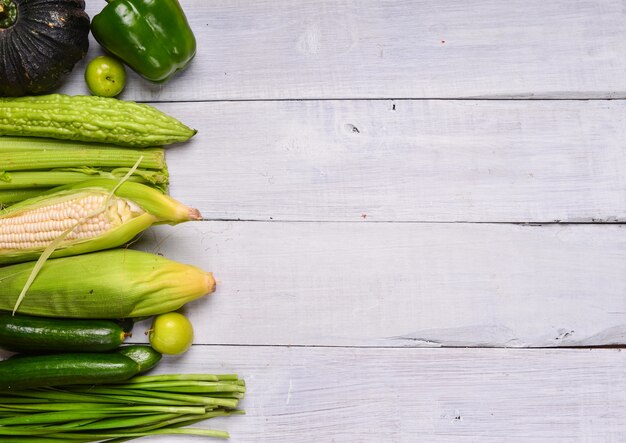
x,y
90,119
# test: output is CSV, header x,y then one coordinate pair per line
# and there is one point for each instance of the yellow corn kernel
x,y
37,227
85,217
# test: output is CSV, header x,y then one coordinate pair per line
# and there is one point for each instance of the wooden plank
x,y
409,395
279,49
404,284
509,161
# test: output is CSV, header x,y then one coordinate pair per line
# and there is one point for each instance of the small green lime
x,y
105,76
171,333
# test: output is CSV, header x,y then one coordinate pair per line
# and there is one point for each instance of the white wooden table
x,y
398,197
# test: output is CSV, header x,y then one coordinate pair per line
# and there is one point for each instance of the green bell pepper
x,y
151,36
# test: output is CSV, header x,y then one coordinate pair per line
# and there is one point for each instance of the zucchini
x,y
90,119
38,371
22,333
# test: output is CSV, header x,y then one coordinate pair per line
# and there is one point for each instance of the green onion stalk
x,y
115,412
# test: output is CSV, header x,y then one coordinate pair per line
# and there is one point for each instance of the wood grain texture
x,y
426,395
270,49
404,284
508,161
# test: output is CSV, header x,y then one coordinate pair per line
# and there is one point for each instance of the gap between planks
x,y
461,222
398,99
442,347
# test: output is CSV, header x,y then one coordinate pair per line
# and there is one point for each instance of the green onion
x,y
116,412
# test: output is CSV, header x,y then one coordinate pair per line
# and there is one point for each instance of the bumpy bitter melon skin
x,y
90,119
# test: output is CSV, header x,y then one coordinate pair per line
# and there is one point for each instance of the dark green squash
x,y
40,42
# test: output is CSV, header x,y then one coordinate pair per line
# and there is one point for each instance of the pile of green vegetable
x,y
95,396
80,178
54,391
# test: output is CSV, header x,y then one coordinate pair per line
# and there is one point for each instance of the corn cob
x,y
90,216
90,119
118,283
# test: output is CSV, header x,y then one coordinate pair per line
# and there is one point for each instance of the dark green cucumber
x,y
144,356
22,333
76,368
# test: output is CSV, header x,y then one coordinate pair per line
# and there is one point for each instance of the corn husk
x,y
119,283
